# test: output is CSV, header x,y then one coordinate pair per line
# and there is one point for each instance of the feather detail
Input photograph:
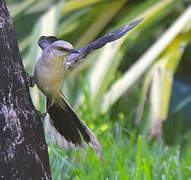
x,y
65,128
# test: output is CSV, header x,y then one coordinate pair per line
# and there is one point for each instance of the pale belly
x,y
49,76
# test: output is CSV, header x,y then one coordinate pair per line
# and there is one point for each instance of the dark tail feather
x,y
64,120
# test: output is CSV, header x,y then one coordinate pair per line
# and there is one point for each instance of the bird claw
x,y
30,80
42,115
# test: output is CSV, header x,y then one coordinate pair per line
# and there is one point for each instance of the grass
x,y
122,158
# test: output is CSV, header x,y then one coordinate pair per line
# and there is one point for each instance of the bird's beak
x,y
74,51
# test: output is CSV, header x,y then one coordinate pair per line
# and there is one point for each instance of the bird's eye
x,y
62,49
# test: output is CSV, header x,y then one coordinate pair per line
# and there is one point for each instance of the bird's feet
x,y
30,80
42,115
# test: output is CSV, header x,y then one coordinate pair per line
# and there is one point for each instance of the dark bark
x,y
23,150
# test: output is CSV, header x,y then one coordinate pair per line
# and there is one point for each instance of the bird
x,y
62,124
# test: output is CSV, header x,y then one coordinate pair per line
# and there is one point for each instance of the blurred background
x,y
134,93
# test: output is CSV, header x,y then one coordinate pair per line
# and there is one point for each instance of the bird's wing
x,y
45,41
74,58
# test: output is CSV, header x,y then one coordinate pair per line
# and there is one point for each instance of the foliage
x,y
124,91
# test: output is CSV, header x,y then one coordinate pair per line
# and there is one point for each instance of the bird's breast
x,y
49,75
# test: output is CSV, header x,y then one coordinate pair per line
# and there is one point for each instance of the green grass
x,y
122,158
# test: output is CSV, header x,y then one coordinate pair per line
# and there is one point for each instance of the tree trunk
x,y
23,150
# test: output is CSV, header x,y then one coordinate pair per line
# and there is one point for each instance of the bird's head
x,y
58,47
62,47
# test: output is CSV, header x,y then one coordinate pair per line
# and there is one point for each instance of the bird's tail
x,y
65,128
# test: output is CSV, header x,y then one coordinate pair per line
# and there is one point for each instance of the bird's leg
x,y
49,104
30,80
42,115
